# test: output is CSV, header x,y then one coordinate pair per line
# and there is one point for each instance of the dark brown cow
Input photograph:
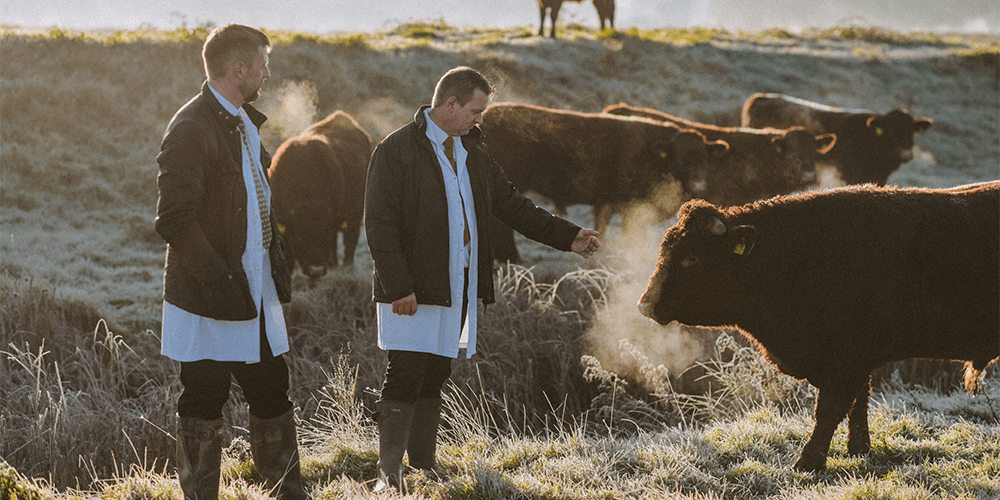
x,y
307,193
353,147
833,284
760,162
318,195
605,13
592,159
870,146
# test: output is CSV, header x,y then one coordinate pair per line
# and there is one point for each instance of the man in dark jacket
x,y
225,275
432,190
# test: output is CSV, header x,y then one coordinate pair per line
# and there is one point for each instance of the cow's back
x,y
880,274
567,157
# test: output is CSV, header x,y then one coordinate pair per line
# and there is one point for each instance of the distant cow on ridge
x,y
831,285
760,163
605,13
318,194
870,146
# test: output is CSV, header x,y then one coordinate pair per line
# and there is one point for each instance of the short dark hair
x,y
461,82
230,43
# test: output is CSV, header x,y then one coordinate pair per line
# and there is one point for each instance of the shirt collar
x,y
434,133
224,102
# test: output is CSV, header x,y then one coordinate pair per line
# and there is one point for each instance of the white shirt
x,y
435,329
189,337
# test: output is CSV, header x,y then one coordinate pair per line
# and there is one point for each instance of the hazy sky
x,y
322,16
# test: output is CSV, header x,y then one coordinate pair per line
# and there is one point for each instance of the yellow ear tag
x,y
740,248
281,228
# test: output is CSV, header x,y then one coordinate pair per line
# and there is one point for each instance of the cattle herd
x,y
829,284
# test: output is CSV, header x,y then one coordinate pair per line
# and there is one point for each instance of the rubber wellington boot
x,y
422,444
199,457
394,419
275,451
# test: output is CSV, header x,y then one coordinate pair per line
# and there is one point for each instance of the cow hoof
x,y
807,464
858,449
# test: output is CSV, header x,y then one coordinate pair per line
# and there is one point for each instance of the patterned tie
x,y
258,184
449,151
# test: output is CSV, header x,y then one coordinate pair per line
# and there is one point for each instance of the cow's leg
x,y
858,439
541,23
351,235
334,254
602,214
553,14
832,406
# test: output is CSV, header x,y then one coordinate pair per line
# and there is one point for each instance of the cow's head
x,y
697,276
309,236
893,133
796,150
687,156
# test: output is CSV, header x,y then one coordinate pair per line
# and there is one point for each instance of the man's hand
x,y
406,306
585,244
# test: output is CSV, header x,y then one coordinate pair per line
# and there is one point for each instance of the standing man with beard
x,y
225,275
432,189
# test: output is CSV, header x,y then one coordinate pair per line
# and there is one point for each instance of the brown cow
x,y
831,285
760,162
307,193
605,13
353,147
870,146
593,159
318,195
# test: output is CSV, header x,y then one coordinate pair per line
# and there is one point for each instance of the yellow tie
x,y
449,151
258,184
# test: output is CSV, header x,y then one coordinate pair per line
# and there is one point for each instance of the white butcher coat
x,y
435,329
189,337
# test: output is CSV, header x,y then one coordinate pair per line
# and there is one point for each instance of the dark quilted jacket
x,y
201,213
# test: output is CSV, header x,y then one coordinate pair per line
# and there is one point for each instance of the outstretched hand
x,y
586,243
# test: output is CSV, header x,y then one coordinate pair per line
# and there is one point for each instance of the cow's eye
x,y
663,154
777,148
879,131
690,260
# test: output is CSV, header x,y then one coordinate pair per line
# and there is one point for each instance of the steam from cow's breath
x,y
624,341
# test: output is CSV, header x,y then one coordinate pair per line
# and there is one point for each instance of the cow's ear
x,y
875,127
717,148
922,125
744,238
825,142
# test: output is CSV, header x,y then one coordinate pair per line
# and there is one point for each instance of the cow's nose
x,y
315,271
645,308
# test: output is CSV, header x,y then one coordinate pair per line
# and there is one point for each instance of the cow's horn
x,y
718,227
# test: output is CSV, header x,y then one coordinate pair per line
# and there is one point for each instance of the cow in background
x,y
605,13
353,147
307,193
318,184
870,146
759,163
831,285
604,161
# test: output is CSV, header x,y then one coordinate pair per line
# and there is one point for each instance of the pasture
x,y
574,394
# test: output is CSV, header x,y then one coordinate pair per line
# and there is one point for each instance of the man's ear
x,y
744,238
